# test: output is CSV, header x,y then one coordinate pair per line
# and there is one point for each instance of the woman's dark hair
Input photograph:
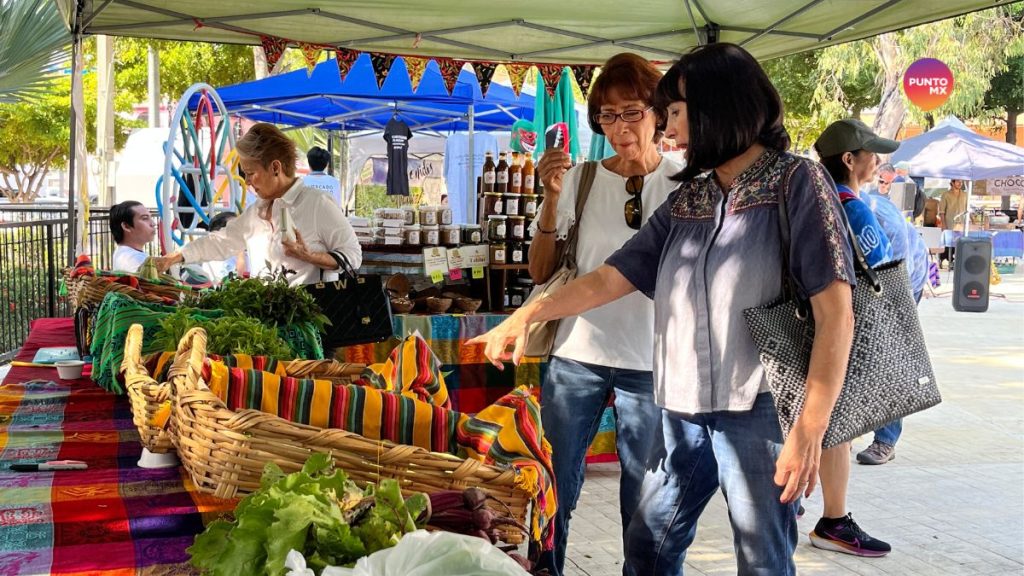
x,y
630,77
121,215
839,172
731,105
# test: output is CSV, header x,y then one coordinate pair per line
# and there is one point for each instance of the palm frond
x,y
33,43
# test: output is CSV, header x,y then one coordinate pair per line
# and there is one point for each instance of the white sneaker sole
x,y
837,546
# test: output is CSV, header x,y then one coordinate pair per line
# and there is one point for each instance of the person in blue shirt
x,y
848,151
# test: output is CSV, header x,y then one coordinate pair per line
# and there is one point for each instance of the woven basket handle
x,y
132,364
189,358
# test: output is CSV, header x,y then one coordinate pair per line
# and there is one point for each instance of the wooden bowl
x,y
468,305
398,286
401,305
438,305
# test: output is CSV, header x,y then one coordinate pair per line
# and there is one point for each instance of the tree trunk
x,y
259,60
891,108
1011,126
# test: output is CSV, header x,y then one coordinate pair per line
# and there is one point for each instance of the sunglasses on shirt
x,y
634,208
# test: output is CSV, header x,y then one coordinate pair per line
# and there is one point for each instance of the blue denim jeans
x,y
573,398
700,453
890,433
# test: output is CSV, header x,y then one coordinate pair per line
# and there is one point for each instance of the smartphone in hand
x,y
557,137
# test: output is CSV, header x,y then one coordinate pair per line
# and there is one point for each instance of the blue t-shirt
x,y
872,239
907,244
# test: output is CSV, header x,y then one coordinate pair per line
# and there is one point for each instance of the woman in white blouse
x,y
268,158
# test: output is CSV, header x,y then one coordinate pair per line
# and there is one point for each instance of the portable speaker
x,y
971,271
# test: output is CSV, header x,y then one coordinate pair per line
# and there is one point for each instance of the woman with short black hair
x,y
710,252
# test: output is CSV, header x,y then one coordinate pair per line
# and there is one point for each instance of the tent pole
x,y
967,216
344,170
330,152
470,202
76,46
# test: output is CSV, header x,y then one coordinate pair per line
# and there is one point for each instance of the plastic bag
x,y
423,553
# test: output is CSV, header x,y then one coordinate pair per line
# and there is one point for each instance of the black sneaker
x,y
844,535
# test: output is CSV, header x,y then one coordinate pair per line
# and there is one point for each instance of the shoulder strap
x,y
788,284
588,172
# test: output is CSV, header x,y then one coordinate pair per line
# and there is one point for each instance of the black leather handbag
x,y
889,375
357,306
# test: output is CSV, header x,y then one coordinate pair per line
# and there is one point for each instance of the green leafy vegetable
x,y
317,511
267,298
226,335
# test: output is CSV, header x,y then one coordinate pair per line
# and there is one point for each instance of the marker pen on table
x,y
52,465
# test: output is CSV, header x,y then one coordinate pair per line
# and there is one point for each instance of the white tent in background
x,y
952,150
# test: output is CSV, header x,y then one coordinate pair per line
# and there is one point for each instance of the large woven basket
x,y
89,289
225,451
147,395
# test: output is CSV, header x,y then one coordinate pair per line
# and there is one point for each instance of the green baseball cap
x,y
849,135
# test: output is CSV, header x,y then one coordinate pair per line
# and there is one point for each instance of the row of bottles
x,y
502,178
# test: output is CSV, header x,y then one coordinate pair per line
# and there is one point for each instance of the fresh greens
x,y
226,335
317,511
269,299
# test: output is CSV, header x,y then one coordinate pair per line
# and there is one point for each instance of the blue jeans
x,y
700,453
573,398
890,433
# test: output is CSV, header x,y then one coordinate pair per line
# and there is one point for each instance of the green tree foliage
x,y
33,41
182,64
1005,97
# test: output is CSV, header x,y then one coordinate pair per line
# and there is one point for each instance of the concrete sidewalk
x,y
952,503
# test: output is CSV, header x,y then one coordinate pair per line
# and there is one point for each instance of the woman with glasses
x,y
710,252
607,350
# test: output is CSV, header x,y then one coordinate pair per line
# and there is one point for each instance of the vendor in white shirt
x,y
318,158
286,205
132,228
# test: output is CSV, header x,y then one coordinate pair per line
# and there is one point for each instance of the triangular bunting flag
x,y
517,74
450,70
583,74
345,58
310,53
273,48
484,73
381,66
416,68
551,73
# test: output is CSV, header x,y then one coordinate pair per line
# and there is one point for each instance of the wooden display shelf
x,y
510,266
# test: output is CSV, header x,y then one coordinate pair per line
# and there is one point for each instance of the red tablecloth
x,y
113,518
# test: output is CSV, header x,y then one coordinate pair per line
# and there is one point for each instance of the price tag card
x,y
474,256
478,272
455,273
435,263
456,260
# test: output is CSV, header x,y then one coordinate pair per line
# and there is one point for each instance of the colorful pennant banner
x,y
584,74
551,74
381,66
311,54
416,68
484,73
274,49
450,70
517,74
345,58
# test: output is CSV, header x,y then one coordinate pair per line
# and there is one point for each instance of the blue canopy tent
x,y
357,108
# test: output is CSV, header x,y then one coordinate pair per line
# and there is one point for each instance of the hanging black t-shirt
x,y
397,135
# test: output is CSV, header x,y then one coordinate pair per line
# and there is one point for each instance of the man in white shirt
x,y
132,228
318,159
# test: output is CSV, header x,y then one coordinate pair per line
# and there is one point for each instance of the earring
x,y
275,173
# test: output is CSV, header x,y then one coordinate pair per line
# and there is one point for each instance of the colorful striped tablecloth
x,y
473,382
114,518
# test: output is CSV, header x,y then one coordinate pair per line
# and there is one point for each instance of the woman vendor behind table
x,y
292,225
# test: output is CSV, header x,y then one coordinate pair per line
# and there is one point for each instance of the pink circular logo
x,y
928,83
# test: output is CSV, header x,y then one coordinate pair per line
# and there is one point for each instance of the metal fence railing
x,y
33,256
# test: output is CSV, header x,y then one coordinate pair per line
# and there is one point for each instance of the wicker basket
x,y
147,395
225,451
88,290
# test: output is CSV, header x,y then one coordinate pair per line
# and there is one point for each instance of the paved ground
x,y
951,503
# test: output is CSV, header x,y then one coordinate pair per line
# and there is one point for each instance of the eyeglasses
x,y
608,118
634,208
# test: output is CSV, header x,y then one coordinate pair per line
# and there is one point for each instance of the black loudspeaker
x,y
971,272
